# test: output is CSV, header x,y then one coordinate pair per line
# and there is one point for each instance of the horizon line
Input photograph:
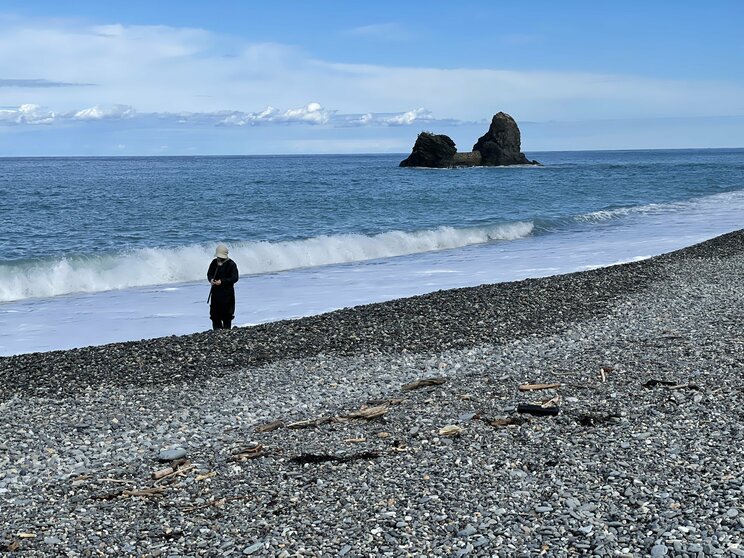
x,y
401,153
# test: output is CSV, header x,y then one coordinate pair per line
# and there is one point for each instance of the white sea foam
x,y
146,267
607,214
735,197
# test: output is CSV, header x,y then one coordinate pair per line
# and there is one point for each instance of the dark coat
x,y
222,297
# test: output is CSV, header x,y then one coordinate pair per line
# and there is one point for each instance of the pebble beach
x,y
394,429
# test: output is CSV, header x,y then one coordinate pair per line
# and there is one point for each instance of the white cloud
x,y
311,113
408,118
98,112
27,114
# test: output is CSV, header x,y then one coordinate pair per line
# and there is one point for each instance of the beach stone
x,y
467,531
659,550
252,549
480,542
172,454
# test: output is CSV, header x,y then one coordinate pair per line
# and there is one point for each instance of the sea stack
x,y
500,146
431,150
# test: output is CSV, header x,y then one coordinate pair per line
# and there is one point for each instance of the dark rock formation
x,y
499,146
467,159
431,150
502,143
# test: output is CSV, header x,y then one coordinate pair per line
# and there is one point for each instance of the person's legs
x,y
221,315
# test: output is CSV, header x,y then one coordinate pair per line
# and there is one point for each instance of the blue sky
x,y
230,77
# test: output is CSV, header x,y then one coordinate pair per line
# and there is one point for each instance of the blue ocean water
x,y
126,241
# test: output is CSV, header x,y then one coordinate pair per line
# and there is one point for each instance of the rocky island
x,y
499,146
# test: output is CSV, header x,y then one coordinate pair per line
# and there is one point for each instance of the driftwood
x,y
310,423
535,387
145,492
269,426
323,458
368,412
654,383
249,453
157,475
669,385
537,410
552,402
685,386
178,467
424,382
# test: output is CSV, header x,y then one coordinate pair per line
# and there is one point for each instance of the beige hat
x,y
221,251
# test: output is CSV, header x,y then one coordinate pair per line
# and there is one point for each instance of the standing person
x,y
222,275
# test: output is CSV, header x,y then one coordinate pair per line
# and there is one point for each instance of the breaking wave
x,y
159,266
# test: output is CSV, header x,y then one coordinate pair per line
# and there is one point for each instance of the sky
x,y
245,77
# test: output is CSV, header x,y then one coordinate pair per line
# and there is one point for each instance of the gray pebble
x,y
467,531
253,548
171,454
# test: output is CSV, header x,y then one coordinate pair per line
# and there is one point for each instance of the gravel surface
x,y
644,458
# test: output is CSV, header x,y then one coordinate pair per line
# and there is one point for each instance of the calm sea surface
x,y
94,250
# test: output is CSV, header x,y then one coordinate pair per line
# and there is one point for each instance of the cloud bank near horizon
x,y
312,114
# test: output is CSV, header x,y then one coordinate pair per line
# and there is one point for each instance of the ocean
x,y
98,250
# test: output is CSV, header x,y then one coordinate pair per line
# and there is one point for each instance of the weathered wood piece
x,y
269,426
424,382
368,412
535,387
